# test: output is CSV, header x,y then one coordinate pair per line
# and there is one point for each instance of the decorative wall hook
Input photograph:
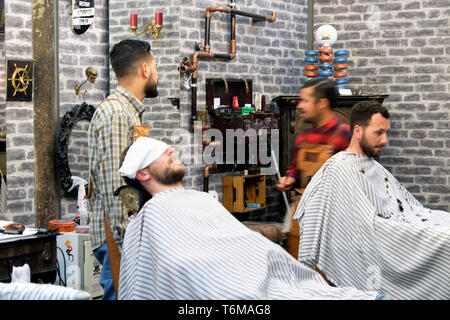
x,y
91,74
153,27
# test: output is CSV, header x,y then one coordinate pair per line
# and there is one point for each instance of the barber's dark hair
x,y
323,88
126,54
363,111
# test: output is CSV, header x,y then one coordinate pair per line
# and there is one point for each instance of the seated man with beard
x,y
363,229
183,244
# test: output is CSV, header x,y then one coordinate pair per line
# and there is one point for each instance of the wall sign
x,y
82,15
19,84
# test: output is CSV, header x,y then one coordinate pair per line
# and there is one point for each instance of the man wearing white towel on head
x,y
363,229
184,245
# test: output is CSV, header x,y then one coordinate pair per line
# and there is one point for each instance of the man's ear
x,y
144,70
143,175
357,131
323,103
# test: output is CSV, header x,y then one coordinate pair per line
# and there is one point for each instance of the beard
x,y
367,149
170,176
151,89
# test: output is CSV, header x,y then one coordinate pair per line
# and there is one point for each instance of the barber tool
x,y
286,201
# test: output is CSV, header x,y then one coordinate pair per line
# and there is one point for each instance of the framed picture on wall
x,y
19,80
2,17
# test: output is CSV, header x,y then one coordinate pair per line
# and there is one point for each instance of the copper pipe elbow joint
x,y
208,168
272,18
214,9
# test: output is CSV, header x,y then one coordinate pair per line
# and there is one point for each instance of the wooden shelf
x,y
239,190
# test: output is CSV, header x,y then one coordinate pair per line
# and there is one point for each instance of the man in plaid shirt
x,y
317,99
112,129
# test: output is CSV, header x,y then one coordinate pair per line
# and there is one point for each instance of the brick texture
x,y
397,47
76,53
401,48
19,119
268,54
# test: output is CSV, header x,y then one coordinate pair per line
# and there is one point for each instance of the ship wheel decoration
x,y
20,80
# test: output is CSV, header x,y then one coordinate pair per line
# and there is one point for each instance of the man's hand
x,y
285,183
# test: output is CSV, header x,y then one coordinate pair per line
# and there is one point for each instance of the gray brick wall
x,y
19,119
268,54
76,53
401,48
2,83
402,52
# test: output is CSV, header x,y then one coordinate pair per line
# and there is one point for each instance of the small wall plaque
x,y
19,84
82,15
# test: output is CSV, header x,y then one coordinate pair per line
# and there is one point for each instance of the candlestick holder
x,y
153,27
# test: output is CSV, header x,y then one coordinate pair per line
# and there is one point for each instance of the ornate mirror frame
x,y
80,112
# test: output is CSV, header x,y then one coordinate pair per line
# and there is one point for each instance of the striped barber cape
x,y
185,245
363,229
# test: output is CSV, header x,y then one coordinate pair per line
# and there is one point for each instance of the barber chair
x,y
271,230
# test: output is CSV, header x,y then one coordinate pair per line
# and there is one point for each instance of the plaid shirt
x,y
321,135
110,132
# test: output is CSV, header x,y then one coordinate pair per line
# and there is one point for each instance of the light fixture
x,y
153,27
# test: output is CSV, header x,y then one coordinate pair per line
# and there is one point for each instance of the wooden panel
x,y
237,190
228,190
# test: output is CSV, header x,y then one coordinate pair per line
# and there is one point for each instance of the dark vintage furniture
x,y
38,251
229,118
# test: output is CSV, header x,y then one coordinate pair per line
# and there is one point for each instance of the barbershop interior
x,y
234,79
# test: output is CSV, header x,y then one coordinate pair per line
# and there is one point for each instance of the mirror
x,y
72,146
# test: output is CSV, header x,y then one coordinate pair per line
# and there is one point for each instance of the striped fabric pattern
x,y
184,244
35,291
363,229
110,132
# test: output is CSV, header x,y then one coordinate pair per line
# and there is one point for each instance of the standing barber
x,y
317,100
114,125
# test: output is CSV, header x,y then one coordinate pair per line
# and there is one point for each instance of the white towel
x,y
141,154
21,274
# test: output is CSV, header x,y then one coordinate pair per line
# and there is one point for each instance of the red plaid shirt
x,y
320,135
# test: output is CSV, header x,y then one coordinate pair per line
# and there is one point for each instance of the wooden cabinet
x,y
244,193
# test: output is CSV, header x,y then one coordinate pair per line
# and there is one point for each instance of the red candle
x,y
158,18
133,20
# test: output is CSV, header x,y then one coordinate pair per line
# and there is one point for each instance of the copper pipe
x,y
210,143
208,168
216,9
188,66
272,18
206,176
193,66
232,49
